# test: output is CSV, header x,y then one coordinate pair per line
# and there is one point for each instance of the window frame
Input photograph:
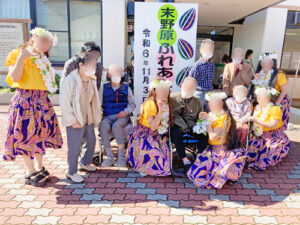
x,y
288,71
33,16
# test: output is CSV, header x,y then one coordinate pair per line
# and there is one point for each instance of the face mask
x,y
116,79
240,99
235,61
185,95
207,55
90,73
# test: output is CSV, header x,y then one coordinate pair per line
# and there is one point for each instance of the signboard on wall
x,y
13,33
164,43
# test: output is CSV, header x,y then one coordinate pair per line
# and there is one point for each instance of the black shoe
x,y
178,173
187,168
232,182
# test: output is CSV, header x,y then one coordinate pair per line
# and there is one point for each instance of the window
x,y
291,48
222,37
73,21
85,24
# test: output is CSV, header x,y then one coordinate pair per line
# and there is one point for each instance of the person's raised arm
x,y
154,121
16,71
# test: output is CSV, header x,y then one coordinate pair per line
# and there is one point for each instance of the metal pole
x,y
295,79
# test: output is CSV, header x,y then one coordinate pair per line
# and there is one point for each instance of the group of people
x,y
219,120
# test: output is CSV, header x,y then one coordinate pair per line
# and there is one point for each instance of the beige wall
x,y
114,32
250,34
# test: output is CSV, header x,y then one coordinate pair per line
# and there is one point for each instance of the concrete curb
x,y
6,97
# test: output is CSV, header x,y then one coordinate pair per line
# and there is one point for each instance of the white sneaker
x,y
76,178
142,174
89,168
108,162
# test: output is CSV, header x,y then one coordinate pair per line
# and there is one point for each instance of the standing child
x,y
118,104
81,112
223,161
32,123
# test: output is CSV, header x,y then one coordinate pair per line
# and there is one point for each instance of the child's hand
x,y
257,76
76,125
253,119
245,126
238,125
160,105
25,53
122,114
203,116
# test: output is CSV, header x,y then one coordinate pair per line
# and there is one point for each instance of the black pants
x,y
177,139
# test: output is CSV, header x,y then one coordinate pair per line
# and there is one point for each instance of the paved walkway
x,y
123,197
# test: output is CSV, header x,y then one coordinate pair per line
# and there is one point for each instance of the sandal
x,y
45,173
38,179
29,178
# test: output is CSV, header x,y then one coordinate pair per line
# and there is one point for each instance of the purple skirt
x,y
215,166
285,107
148,152
268,149
32,125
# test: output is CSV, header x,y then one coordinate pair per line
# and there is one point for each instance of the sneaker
x,y
76,178
142,174
108,162
187,168
121,162
89,168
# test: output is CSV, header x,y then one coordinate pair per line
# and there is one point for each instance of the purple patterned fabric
x,y
32,125
215,166
268,149
148,152
285,107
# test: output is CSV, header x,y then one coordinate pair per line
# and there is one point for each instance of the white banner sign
x,y
11,36
164,44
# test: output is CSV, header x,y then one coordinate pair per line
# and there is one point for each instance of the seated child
x,y
80,107
270,144
240,109
117,104
223,161
148,151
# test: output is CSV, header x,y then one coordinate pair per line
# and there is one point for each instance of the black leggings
x,y
177,139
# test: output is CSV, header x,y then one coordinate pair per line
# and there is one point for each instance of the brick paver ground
x,y
123,197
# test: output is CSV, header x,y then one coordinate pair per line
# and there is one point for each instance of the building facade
x,y
110,23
